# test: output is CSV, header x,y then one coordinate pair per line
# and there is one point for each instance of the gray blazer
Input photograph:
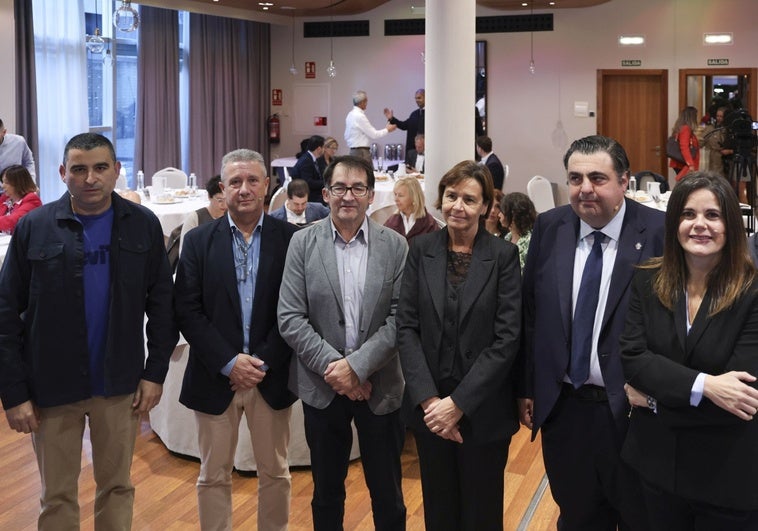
x,y
312,322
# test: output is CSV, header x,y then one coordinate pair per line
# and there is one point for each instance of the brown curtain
x,y
229,84
157,142
26,77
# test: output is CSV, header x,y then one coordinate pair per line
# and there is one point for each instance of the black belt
x,y
587,392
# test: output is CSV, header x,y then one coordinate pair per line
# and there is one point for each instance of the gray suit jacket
x,y
312,321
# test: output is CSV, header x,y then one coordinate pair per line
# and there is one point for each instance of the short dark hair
x,y
468,169
350,162
19,178
484,142
595,143
88,142
212,186
297,188
315,142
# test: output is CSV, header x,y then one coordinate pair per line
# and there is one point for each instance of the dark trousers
x,y
462,483
672,513
593,488
330,438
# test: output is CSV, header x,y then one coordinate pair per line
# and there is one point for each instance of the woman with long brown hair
x,y
684,132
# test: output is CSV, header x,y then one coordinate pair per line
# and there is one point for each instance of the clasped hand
x,y
245,373
343,380
441,416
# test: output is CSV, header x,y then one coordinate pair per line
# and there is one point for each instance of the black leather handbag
x,y
673,151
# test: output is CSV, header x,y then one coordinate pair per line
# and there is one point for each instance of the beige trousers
x,y
58,445
217,438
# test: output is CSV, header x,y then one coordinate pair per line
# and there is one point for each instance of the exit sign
x,y
631,62
718,62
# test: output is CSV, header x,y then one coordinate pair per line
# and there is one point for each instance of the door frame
x,y
750,100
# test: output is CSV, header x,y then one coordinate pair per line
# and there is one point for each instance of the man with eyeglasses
x,y
337,311
227,288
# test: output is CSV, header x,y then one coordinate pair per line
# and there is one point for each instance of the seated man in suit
x,y
489,159
414,159
307,169
297,209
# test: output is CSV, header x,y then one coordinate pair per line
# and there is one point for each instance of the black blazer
x,y
488,327
414,125
497,170
209,314
306,168
548,280
700,453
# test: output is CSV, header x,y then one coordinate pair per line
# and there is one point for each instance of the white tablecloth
x,y
172,215
175,424
384,194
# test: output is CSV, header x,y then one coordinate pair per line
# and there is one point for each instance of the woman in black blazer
x,y
458,321
690,356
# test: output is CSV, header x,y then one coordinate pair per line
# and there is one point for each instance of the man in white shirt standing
x,y
358,130
14,150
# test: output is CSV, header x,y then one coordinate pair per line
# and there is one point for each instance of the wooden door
x,y
632,108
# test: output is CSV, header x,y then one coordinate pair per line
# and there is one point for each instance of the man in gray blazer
x,y
337,307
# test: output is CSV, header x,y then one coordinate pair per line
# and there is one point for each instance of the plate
x,y
167,201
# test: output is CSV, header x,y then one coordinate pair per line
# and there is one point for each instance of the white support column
x,y
450,88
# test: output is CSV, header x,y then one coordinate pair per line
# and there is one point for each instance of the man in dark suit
x,y
489,159
413,162
227,289
415,122
337,311
297,209
573,384
306,168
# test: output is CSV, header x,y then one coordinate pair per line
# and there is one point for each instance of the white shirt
x,y
358,130
612,231
408,222
294,218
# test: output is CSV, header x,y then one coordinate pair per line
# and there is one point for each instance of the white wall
x,y
7,65
523,109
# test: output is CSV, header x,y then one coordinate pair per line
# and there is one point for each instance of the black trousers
x,y
380,438
462,484
593,488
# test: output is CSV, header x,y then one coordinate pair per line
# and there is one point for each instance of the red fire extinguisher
x,y
273,129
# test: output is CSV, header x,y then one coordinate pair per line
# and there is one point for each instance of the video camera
x,y
741,133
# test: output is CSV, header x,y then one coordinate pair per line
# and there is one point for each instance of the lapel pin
x,y
638,246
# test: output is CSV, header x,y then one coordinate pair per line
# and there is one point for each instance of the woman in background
x,y
411,218
517,215
492,223
215,209
458,322
684,132
330,151
19,196
690,357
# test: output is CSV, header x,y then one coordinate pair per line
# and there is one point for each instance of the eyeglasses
x,y
359,190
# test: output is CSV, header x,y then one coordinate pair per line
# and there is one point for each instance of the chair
x,y
644,177
278,199
540,191
381,215
175,178
505,180
440,223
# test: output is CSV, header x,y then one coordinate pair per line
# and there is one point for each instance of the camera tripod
x,y
743,165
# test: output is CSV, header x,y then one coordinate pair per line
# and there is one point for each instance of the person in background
x,y
337,311
14,150
359,133
489,159
690,359
459,323
713,142
414,158
306,168
411,218
79,278
492,223
297,209
227,289
684,132
215,209
579,265
414,124
517,215
331,146
19,196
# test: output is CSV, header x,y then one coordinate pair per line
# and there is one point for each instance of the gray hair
x,y
359,96
243,155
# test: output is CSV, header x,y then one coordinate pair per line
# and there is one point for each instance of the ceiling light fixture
x,y
631,40
293,68
718,38
95,43
126,18
331,70
532,66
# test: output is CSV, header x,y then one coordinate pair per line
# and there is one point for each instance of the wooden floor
x,y
165,498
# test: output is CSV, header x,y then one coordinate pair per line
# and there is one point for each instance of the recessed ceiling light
x,y
631,40
718,38
265,4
